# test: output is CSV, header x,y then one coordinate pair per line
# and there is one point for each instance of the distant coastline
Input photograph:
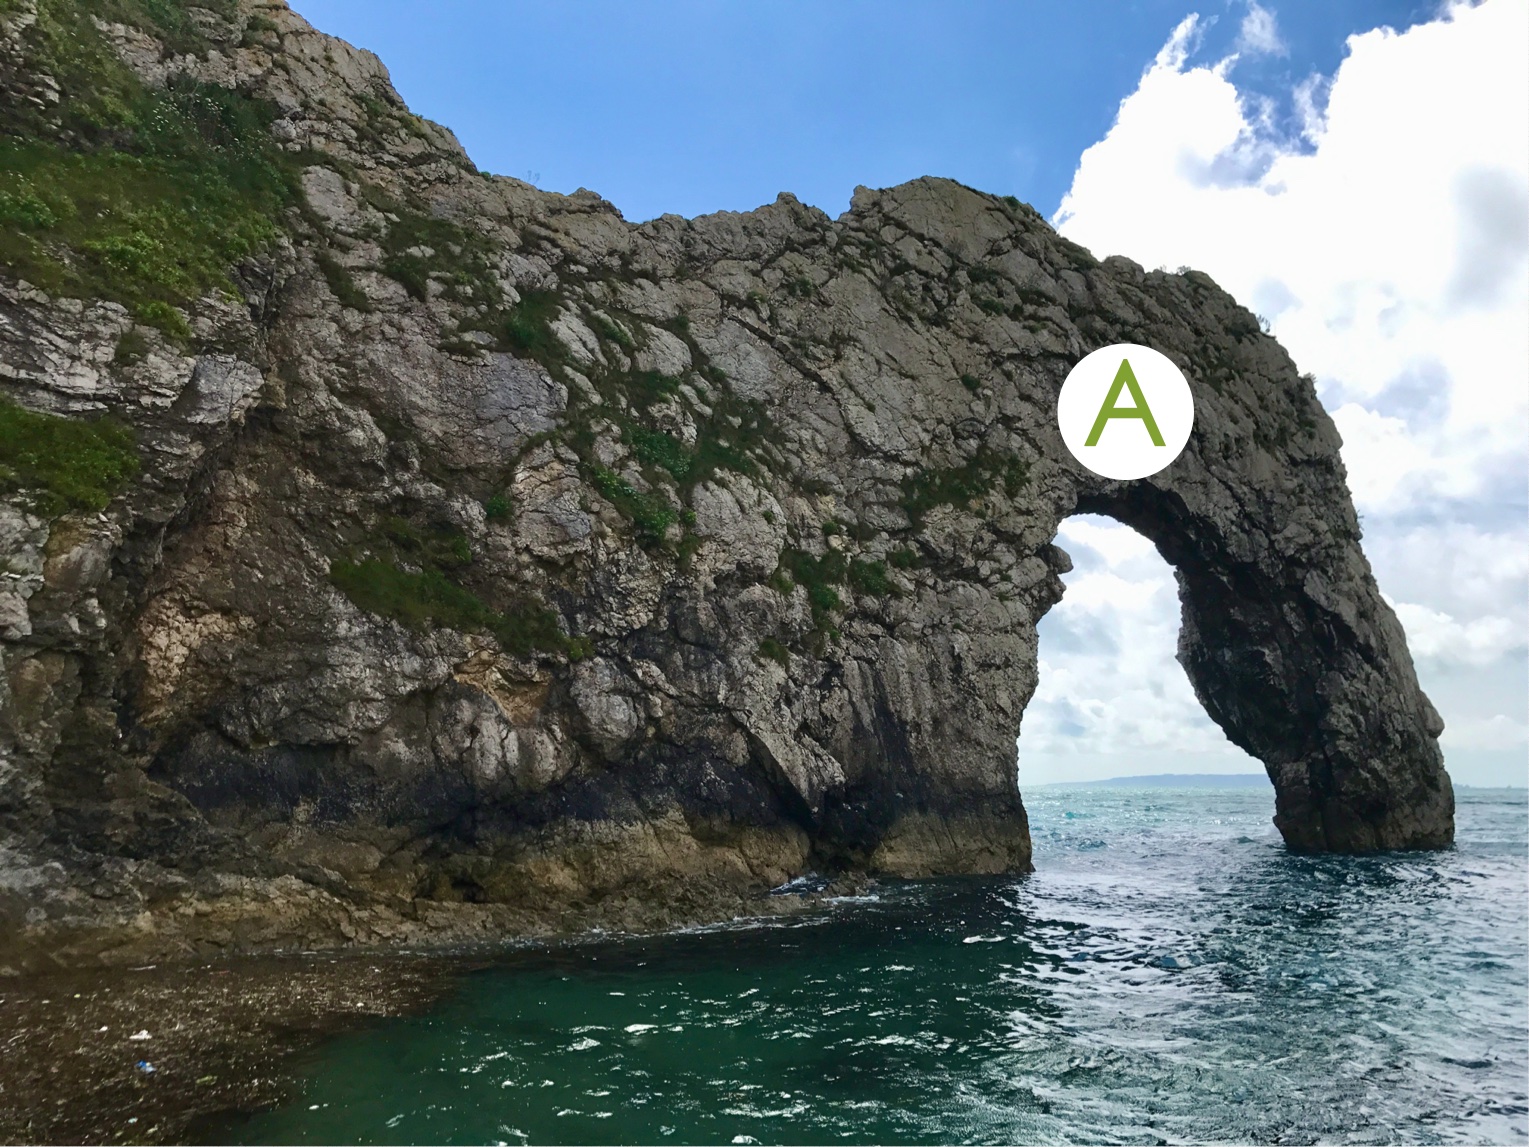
x,y
1200,781
1170,781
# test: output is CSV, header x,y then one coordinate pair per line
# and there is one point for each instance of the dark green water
x,y
1168,974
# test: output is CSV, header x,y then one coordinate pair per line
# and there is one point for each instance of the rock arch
x,y
1285,637
1295,656
657,519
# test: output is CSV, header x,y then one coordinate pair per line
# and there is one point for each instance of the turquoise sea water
x,y
1169,973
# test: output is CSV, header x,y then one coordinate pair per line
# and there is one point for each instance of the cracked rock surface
x,y
583,573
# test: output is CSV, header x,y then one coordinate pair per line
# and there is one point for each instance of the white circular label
x,y
1125,411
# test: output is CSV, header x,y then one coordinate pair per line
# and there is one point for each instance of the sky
x,y
691,106
1357,171
1387,243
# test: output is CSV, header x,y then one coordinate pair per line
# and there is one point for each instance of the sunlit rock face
x,y
496,565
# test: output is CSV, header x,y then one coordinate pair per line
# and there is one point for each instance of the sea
x,y
1168,974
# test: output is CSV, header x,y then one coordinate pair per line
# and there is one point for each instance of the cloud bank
x,y
1387,243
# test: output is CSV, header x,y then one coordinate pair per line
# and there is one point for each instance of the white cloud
x,y
1389,249
1460,568
1495,733
1104,537
1109,685
1259,34
1437,636
1393,248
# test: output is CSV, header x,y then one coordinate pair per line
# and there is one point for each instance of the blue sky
x,y
696,106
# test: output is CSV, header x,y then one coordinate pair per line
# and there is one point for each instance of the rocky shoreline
x,y
173,1051
146,1054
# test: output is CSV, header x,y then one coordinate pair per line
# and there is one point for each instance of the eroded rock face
x,y
788,486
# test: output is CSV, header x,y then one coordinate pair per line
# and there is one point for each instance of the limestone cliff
x,y
395,552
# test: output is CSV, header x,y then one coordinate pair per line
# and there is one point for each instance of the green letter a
x,y
1124,378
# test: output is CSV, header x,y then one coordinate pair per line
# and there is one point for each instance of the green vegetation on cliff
x,y
420,248
146,197
341,285
730,433
962,485
428,597
431,255
818,576
650,513
411,576
526,328
726,440
64,463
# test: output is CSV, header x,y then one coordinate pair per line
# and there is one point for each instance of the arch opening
x,y
1288,647
1112,698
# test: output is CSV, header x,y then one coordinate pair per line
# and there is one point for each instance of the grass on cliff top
x,y
64,463
145,197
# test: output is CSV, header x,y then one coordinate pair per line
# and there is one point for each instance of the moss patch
x,y
730,439
818,576
962,485
870,578
660,448
526,328
732,433
437,548
650,513
775,651
427,598
413,576
64,463
418,248
610,331
423,249
341,285
131,348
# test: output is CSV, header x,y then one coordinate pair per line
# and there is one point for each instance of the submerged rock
x,y
492,565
